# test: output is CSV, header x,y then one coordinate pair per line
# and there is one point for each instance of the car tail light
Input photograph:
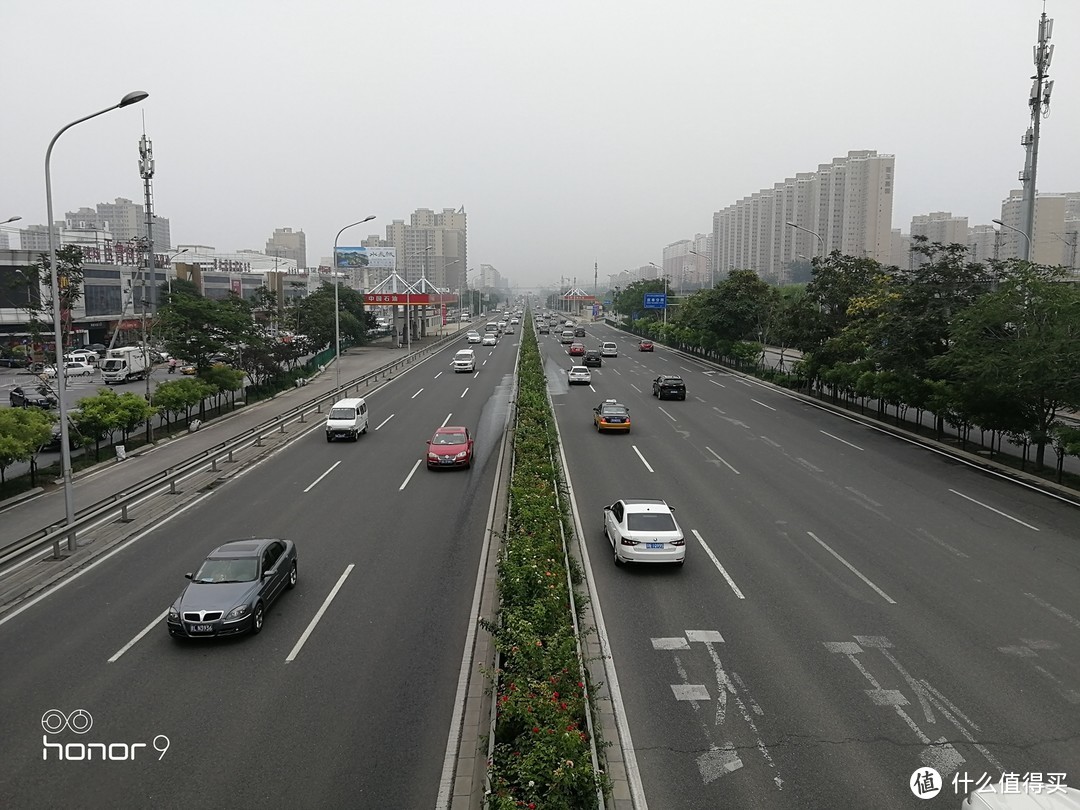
x,y
624,541
678,542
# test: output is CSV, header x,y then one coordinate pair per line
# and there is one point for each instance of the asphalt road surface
x,y
853,608
345,698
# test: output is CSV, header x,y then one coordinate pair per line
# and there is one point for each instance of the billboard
x,y
655,301
355,258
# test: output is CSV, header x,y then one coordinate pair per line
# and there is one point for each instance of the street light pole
x,y
815,233
712,270
168,267
337,313
58,334
661,269
1016,230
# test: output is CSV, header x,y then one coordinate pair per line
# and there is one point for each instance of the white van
x,y
465,360
347,419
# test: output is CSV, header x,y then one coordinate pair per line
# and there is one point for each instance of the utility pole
x,y
1039,101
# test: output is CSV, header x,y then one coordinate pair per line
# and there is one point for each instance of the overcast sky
x,y
571,131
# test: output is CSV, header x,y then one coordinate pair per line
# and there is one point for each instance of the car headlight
x,y
462,454
238,612
174,613
432,455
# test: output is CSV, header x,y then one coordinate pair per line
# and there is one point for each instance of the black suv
x,y
668,386
592,358
40,397
579,332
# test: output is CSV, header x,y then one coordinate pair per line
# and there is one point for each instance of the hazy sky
x,y
572,132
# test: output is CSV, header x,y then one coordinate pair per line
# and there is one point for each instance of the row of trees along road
x,y
992,346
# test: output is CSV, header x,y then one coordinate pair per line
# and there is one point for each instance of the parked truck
x,y
125,364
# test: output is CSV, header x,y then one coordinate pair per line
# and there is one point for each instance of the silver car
x,y
579,375
644,530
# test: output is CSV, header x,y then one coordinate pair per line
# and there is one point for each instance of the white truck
x,y
125,364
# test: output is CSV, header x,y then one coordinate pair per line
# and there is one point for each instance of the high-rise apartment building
x,y
983,243
490,278
126,220
937,226
847,203
1054,231
432,246
288,244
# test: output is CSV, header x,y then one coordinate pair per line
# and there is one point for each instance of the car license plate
x,y
446,461
654,545
201,628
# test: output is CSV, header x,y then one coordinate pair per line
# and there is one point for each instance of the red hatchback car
x,y
450,447
576,350
644,346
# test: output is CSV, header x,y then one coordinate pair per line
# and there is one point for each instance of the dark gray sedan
x,y
233,589
36,397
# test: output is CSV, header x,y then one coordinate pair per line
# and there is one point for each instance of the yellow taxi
x,y
611,415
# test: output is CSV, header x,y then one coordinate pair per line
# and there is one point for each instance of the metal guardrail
x,y
122,501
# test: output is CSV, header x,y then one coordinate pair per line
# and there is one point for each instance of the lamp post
x,y
61,384
1017,230
661,269
815,233
712,272
337,313
10,219
168,266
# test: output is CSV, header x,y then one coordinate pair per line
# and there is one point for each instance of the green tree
x,y
1021,342
630,303
196,328
23,431
97,417
181,396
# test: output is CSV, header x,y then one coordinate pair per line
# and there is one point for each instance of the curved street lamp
x,y
1016,230
10,219
337,313
815,233
65,451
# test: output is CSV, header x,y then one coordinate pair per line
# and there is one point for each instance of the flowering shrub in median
x,y
542,750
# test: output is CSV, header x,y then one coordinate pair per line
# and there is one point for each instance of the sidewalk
x,y
110,477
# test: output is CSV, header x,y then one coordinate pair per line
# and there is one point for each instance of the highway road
x,y
345,699
853,607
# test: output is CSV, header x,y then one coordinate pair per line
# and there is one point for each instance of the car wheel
x,y
292,577
257,619
615,549
329,439
683,398
364,430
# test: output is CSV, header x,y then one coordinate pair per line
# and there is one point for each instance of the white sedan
x,y
644,530
579,375
489,339
73,368
473,336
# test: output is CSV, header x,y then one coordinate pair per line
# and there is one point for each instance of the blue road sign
x,y
655,301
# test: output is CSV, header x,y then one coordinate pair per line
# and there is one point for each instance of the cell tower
x,y
146,169
1039,101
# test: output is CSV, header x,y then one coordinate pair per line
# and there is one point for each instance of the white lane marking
x,y
319,614
767,440
714,382
845,441
484,363
414,396
405,483
591,388
722,461
762,404
668,415
699,399
670,643
477,374
684,368
384,421
716,562
463,393
636,388
744,382
643,461
853,569
1061,614
992,509
662,357
311,486
155,623
617,371
438,375
447,419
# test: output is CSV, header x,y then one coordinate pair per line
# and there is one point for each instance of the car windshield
x,y
449,438
672,380
579,370
216,570
650,522
342,413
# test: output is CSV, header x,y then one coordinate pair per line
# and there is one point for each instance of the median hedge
x,y
542,756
